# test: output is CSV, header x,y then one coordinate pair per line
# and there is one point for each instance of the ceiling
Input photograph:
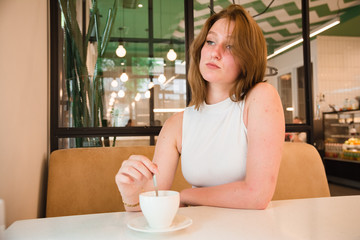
x,y
281,23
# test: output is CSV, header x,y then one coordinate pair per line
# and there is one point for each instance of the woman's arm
x,y
135,174
168,149
264,118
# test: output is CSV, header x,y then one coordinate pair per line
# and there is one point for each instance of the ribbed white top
x,y
214,144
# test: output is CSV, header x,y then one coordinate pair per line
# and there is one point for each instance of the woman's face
x,y
217,64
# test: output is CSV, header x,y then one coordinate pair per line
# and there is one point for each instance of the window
x,y
93,102
102,92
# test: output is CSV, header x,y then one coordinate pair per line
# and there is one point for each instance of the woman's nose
x,y
217,52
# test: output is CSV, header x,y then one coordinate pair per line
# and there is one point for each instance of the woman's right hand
x,y
134,173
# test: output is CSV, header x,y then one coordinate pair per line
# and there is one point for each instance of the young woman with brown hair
x,y
230,139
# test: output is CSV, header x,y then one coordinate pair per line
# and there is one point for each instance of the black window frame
x,y
57,132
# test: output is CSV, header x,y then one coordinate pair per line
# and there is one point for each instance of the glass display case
x,y
342,146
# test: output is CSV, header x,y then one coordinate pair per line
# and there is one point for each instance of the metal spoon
x,y
155,185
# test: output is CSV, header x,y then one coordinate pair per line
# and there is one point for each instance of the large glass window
x,y
281,23
121,64
99,91
333,34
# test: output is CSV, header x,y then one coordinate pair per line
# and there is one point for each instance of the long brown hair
x,y
249,49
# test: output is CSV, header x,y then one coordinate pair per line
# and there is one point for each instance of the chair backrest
x,y
82,180
301,174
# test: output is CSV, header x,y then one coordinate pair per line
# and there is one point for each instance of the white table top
x,y
317,218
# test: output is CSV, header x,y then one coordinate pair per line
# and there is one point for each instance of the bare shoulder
x,y
175,121
263,98
262,91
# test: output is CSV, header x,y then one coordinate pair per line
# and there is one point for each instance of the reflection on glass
x,y
292,93
114,141
285,92
300,94
82,142
295,137
111,88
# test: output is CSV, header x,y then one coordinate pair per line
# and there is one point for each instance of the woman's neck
x,y
216,94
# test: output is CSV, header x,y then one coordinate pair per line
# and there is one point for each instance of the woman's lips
x,y
212,66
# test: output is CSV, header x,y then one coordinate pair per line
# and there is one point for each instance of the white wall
x,y
338,69
23,106
289,62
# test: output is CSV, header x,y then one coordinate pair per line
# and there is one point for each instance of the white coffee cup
x,y
159,211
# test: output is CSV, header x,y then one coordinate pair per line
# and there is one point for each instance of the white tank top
x,y
214,144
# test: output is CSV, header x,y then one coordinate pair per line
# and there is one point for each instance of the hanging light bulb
x,y
114,83
124,77
137,97
121,93
147,94
161,78
171,55
111,102
150,85
121,51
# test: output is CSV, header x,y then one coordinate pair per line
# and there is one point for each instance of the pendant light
x,y
124,77
171,55
121,93
114,83
113,95
121,51
162,78
150,85
138,97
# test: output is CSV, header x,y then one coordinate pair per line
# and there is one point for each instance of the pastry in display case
x,y
341,159
341,133
351,149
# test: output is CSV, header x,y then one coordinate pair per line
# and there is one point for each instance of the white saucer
x,y
140,224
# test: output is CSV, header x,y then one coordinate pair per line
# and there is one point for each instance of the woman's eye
x,y
229,47
210,42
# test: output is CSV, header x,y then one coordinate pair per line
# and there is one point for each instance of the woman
x,y
230,139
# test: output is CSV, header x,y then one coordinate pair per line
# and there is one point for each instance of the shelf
x,y
340,124
339,136
342,160
344,112
343,181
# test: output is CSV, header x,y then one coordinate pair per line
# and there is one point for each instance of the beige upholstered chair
x,y
82,180
302,173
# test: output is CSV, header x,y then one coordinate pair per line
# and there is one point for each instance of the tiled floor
x,y
339,190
